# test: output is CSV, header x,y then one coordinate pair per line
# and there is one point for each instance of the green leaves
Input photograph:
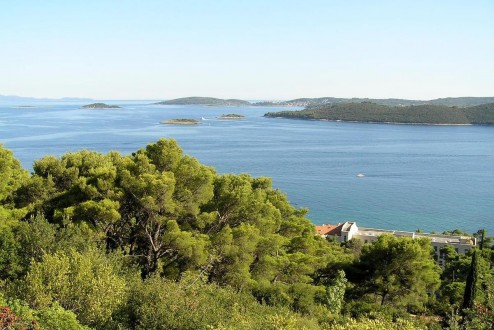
x,y
399,270
164,154
12,175
85,283
213,251
190,303
194,186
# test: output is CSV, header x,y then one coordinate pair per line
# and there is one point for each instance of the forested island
x,y
377,113
180,121
205,101
231,116
157,240
100,106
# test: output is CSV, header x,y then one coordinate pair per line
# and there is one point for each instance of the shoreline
x,y
378,122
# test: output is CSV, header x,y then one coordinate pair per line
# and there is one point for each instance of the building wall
x,y
461,244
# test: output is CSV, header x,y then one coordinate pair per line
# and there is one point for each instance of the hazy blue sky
x,y
246,49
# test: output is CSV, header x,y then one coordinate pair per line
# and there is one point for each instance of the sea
x,y
403,177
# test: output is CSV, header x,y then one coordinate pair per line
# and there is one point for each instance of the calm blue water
x,y
416,177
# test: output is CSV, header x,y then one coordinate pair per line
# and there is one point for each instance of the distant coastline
x,y
368,112
380,122
15,98
461,102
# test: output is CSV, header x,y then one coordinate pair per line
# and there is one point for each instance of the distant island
x,y
376,113
309,102
100,106
180,122
15,98
231,116
205,101
461,102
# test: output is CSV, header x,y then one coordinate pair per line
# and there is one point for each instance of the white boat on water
x,y
360,175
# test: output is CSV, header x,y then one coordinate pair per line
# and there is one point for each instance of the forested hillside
x,y
376,113
156,240
447,101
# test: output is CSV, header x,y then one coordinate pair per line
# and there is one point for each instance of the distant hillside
x,y
204,101
450,101
372,112
14,98
480,114
463,101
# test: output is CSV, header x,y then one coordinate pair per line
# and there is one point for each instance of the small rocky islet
x,y
231,116
100,106
182,121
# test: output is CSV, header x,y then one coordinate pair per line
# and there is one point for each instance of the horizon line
x,y
74,98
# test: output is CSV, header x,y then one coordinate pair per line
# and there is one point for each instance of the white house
x,y
344,232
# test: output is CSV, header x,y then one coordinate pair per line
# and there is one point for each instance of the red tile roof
x,y
328,229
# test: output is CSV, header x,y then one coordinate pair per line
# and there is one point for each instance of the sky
x,y
255,49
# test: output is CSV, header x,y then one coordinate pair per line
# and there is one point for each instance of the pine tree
x,y
471,284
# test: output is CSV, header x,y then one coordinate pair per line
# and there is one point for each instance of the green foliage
x,y
164,154
484,241
454,286
10,260
16,314
213,251
400,271
11,175
55,317
335,293
88,284
168,214
480,114
458,232
471,284
373,323
190,303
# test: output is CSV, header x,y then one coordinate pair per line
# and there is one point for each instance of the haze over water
x,y
416,176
